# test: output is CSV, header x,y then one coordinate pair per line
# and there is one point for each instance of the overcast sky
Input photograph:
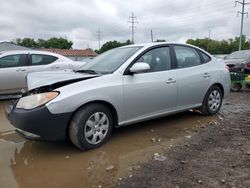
x,y
79,20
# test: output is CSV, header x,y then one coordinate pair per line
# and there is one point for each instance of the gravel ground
x,y
216,156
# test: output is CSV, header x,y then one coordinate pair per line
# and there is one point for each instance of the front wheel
x,y
212,101
91,126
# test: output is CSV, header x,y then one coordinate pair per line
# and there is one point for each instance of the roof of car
x,y
11,52
148,45
72,52
157,43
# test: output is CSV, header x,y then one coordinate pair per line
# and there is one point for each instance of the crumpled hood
x,y
64,77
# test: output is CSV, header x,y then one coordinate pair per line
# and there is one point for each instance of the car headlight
x,y
36,100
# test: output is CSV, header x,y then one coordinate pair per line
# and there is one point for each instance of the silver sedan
x,y
15,65
120,87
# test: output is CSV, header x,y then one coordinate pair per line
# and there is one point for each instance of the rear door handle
x,y
170,81
206,75
21,70
55,67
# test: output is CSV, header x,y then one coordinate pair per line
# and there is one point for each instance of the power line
x,y
132,20
242,12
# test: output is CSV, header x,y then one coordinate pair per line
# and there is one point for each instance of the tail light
x,y
248,65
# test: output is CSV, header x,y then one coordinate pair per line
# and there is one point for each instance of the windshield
x,y
109,61
239,55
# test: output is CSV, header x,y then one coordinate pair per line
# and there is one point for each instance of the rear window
x,y
205,57
187,57
39,59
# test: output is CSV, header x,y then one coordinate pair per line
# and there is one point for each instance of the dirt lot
x,y
193,150
216,156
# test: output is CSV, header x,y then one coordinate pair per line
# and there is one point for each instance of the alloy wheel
x,y
96,128
214,100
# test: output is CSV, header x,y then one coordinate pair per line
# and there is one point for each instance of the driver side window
x,y
158,59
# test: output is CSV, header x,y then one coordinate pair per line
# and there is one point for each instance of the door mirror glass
x,y
139,67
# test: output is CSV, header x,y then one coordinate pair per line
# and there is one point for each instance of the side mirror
x,y
139,67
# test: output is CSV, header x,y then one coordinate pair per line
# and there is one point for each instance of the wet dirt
x,y
28,164
216,156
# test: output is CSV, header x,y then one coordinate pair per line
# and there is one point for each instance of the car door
x,y
154,92
13,71
43,62
193,76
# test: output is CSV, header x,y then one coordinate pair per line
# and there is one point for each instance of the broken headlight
x,y
33,101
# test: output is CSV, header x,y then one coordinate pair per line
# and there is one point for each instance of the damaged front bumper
x,y
38,123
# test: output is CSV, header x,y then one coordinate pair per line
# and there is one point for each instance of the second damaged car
x,y
122,86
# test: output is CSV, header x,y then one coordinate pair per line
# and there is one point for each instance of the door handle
x,y
55,67
21,70
170,81
206,75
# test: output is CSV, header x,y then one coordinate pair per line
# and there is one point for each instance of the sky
x,y
79,20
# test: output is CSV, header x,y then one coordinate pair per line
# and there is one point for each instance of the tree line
x,y
222,46
60,43
115,44
112,44
212,46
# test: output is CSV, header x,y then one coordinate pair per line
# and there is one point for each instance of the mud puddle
x,y
41,164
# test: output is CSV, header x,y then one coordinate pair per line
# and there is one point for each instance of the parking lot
x,y
42,164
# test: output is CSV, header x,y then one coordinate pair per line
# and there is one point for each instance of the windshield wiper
x,y
87,71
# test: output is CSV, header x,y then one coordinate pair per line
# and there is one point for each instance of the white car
x,y
15,65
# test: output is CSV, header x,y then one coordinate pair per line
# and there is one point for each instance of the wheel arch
x,y
220,86
105,103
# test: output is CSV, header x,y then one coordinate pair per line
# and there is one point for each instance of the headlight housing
x,y
36,100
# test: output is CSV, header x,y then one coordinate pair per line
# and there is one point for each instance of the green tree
x,y
27,42
112,44
222,46
60,43
41,43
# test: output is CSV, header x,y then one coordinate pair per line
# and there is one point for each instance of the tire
x,y
91,126
212,101
235,87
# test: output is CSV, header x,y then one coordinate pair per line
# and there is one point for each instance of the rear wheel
x,y
212,101
91,126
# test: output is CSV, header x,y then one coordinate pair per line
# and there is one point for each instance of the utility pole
x,y
242,12
152,37
99,36
132,20
208,40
